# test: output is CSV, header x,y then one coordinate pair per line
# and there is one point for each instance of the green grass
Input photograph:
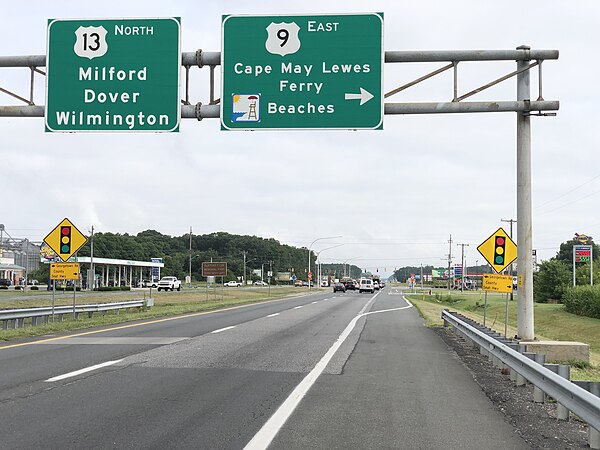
x,y
166,304
550,320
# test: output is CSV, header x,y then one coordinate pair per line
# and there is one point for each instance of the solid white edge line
x,y
269,430
273,315
79,372
223,329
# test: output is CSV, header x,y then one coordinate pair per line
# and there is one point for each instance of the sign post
x,y
302,72
583,253
113,75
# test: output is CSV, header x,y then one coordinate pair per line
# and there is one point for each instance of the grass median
x,y
165,304
551,322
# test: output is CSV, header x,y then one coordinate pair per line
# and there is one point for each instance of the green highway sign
x,y
302,72
113,75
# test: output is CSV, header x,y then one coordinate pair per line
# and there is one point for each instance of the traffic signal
x,y
499,247
65,240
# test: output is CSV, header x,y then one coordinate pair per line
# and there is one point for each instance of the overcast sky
x,y
394,195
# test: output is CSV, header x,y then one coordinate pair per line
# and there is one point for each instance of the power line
x,y
568,192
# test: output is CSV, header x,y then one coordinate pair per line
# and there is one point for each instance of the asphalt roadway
x,y
321,371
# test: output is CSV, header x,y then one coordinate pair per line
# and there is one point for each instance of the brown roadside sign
x,y
214,269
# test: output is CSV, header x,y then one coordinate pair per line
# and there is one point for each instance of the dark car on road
x,y
5,282
339,287
349,285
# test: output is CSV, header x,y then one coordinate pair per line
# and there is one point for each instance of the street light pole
x,y
310,246
462,263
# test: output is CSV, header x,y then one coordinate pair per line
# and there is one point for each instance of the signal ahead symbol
x,y
65,240
499,254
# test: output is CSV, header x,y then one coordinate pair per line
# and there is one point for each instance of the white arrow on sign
x,y
364,96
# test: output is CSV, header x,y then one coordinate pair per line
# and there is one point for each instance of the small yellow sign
x,y
65,239
499,250
497,283
64,271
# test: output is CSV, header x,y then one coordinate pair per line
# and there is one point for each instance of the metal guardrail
x,y
581,402
17,316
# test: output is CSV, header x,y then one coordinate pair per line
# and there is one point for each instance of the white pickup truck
x,y
167,283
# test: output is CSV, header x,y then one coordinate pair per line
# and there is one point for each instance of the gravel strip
x,y
536,423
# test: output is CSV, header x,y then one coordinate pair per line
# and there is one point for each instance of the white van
x,y
366,285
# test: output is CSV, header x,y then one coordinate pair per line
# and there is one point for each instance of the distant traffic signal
x,y
499,250
65,240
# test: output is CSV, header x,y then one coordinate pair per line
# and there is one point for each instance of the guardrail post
x,y
5,324
562,413
538,394
594,435
521,381
594,388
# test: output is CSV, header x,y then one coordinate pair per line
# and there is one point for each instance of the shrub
x,y
583,301
18,288
4,287
113,288
34,288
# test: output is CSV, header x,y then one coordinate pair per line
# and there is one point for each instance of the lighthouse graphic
x,y
246,108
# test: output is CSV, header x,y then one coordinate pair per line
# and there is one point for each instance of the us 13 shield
x,y
282,38
91,42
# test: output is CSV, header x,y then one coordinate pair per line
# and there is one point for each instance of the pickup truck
x,y
233,284
167,283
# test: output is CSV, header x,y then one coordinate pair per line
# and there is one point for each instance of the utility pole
x,y
92,281
190,262
449,260
511,264
462,264
244,279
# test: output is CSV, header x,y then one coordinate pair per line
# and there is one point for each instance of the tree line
x,y
260,253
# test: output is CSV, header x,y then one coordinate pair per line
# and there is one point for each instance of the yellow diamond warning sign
x,y
497,283
65,239
499,250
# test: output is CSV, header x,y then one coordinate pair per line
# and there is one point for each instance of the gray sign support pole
x,y
574,266
525,326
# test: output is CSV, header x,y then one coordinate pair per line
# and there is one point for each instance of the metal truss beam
x,y
211,110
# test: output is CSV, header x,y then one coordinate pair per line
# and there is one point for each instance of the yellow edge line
x,y
131,325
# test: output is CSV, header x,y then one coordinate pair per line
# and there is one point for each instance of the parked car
x,y
233,284
33,282
366,285
169,283
260,283
147,284
341,287
5,282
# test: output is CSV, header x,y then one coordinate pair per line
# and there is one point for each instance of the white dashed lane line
x,y
223,329
298,307
79,372
273,315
